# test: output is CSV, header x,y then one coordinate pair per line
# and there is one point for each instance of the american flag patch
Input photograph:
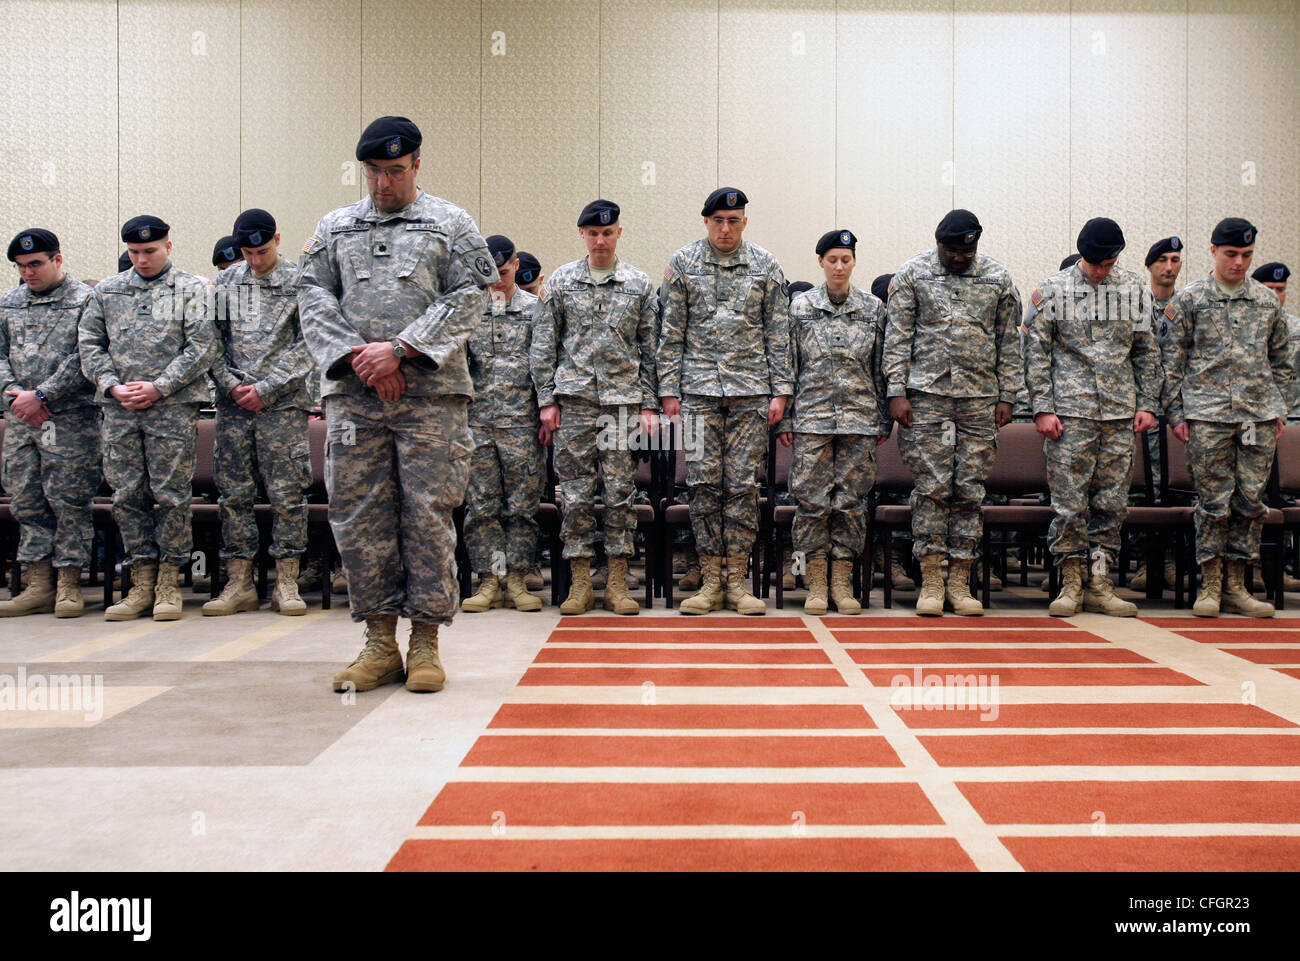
x,y
1036,297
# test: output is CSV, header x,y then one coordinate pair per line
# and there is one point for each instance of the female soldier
x,y
838,417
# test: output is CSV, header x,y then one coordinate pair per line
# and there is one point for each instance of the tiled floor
x,y
1011,742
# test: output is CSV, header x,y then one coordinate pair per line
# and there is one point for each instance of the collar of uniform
x,y
737,257
1216,291
54,293
821,299
165,277
941,271
274,278
516,303
373,214
618,276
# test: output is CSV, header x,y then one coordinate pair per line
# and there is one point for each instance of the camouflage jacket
x,y
1089,351
953,334
839,385
1227,358
597,341
1293,330
420,273
157,330
38,344
261,340
726,324
498,364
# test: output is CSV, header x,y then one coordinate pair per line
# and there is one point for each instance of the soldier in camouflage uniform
x,y
953,370
837,418
389,290
1229,384
529,275
1164,262
147,340
1274,276
506,471
51,447
261,426
593,362
1094,377
724,366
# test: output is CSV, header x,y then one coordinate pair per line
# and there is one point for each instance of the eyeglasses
x,y
31,265
726,221
392,173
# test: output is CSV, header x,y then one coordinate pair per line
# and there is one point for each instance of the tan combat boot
x,y
1070,600
1139,580
691,580
517,593
37,597
710,597
423,667
140,598
842,588
958,590
68,601
580,599
898,575
1100,598
1207,601
167,595
1289,583
787,573
380,662
815,580
738,597
533,580
1236,599
617,599
310,574
285,597
238,595
487,596
930,601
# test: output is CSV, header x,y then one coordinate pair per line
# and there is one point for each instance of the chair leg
x,y
887,565
779,564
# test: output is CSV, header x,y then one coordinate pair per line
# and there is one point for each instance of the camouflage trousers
x,y
505,487
395,473
830,477
726,440
275,446
52,473
949,449
588,436
1230,475
148,461
1088,469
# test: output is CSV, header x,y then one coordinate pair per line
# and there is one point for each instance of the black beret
x,y
724,198
1274,272
33,241
226,252
501,248
124,261
529,268
253,228
1070,261
1100,239
798,287
880,287
1161,247
598,213
388,138
1234,232
959,228
837,238
143,229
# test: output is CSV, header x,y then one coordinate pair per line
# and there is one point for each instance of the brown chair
x,y
1168,525
892,477
1019,470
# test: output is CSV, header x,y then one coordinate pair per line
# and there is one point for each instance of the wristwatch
x,y
40,395
399,350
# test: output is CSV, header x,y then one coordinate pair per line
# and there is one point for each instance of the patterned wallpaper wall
x,y
877,115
